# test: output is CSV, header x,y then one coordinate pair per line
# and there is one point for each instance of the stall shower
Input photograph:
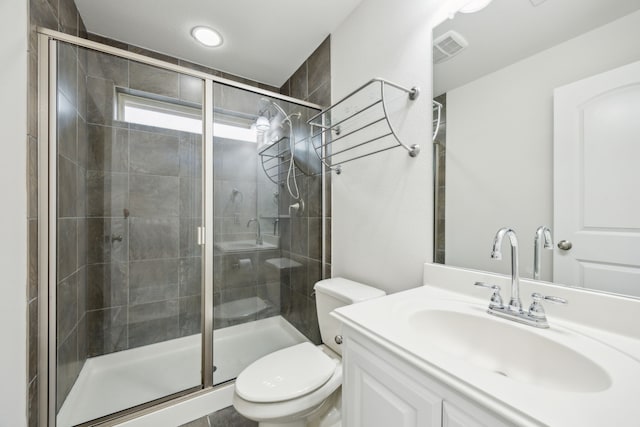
x,y
181,227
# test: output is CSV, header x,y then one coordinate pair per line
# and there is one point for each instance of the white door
x,y
597,181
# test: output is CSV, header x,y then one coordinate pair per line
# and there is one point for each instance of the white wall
x,y
509,115
383,205
13,215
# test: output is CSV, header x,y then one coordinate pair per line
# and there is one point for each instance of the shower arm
x,y
287,117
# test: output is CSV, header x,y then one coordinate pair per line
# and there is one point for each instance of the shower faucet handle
x,y
297,207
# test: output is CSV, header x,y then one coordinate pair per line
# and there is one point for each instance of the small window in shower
x,y
150,110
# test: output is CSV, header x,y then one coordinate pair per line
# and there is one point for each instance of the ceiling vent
x,y
447,46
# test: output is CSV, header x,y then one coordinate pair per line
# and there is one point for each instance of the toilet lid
x,y
285,374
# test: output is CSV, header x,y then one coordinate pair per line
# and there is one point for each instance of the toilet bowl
x,y
300,386
289,387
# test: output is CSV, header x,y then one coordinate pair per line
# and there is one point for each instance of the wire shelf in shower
x,y
275,159
359,125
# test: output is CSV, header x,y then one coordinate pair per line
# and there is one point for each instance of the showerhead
x,y
262,124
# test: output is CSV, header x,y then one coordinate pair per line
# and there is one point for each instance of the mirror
x,y
539,126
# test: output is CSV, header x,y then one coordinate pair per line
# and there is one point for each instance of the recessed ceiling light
x,y
207,36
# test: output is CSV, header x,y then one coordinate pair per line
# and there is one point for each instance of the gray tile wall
x,y
301,237
63,16
143,208
116,294
181,62
237,169
72,224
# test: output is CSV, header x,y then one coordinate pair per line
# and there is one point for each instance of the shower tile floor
x,y
121,380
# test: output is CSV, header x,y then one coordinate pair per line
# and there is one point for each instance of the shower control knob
x,y
338,339
565,245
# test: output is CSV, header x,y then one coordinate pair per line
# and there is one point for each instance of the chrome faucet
x,y
515,304
258,233
543,237
535,316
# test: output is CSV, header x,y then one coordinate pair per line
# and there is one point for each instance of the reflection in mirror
x,y
539,127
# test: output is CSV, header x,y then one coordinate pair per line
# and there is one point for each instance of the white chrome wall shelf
x,y
358,125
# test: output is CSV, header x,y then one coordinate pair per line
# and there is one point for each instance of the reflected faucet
x,y
543,237
515,304
258,233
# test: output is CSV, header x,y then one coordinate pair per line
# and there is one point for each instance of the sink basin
x,y
508,350
244,246
572,374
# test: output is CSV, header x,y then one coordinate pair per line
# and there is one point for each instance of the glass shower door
x,y
129,203
264,257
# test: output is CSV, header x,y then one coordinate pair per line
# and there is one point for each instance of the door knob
x,y
565,245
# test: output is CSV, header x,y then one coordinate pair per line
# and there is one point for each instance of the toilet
x,y
300,386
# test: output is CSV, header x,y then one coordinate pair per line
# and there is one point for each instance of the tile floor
x,y
227,417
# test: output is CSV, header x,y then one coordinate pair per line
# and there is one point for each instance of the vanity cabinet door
x,y
378,393
380,389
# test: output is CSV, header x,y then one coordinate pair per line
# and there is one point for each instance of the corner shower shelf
x,y
357,120
275,158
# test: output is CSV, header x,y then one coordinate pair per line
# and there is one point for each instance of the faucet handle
x,y
536,310
539,298
496,298
487,285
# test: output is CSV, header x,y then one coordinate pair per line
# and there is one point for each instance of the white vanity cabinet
x,y
380,389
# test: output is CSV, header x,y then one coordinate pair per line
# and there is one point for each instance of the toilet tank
x,y
334,293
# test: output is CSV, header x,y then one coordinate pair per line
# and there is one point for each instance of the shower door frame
x,y
47,224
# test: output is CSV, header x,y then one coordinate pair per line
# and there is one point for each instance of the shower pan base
x,y
117,381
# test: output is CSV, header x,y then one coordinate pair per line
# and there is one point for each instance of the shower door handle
x,y
200,236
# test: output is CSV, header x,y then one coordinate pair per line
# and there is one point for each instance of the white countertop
x,y
386,321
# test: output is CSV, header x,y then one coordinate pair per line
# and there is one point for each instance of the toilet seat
x,y
286,374
289,410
